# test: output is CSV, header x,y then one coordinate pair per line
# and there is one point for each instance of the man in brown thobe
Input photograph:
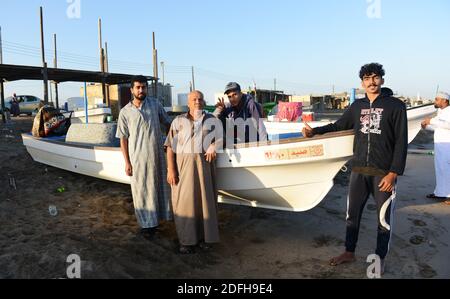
x,y
192,147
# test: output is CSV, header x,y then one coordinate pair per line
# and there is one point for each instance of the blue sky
x,y
308,46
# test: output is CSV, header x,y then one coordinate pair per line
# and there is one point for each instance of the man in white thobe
x,y
141,142
441,126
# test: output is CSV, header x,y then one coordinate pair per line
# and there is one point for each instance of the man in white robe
x,y
139,130
441,126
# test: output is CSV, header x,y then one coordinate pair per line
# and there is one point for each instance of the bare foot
x,y
347,257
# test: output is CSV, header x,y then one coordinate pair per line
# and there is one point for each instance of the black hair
x,y
370,69
139,79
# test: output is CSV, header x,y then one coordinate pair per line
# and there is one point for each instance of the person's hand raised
x,y
221,104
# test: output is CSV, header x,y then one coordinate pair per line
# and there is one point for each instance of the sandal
x,y
186,250
205,246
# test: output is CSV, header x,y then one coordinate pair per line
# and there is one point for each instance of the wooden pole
x,y
155,67
108,100
102,60
55,64
86,112
163,73
1,46
100,42
193,79
2,87
44,64
106,58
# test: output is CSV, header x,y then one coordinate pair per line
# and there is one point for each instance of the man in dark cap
x,y
241,109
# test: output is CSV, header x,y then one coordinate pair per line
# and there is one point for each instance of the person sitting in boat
x,y
49,122
242,117
191,148
380,124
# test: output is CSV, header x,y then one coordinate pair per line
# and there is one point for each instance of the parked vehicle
x,y
28,104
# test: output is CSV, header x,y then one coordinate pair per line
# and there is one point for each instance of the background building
x,y
120,96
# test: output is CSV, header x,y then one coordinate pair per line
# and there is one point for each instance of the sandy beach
x,y
95,219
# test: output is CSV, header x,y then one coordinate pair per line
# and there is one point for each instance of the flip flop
x,y
186,250
447,202
205,246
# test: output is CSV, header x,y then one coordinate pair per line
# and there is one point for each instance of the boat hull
x,y
103,163
294,175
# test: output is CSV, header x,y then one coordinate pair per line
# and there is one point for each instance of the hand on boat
x,y
426,123
172,177
211,154
388,183
129,169
307,131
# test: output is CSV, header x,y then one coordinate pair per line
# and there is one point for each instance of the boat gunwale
x,y
296,140
238,146
418,107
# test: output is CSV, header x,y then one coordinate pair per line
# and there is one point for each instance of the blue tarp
x,y
285,136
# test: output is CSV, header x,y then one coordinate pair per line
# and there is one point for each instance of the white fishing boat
x,y
292,175
415,117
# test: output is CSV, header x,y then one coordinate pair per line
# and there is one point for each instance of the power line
x,y
92,61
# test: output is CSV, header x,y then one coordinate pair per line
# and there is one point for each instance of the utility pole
x,y
106,66
55,65
102,61
193,79
106,58
44,64
274,84
100,43
2,87
163,73
155,67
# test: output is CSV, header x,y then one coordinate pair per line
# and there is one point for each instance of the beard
x,y
140,97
